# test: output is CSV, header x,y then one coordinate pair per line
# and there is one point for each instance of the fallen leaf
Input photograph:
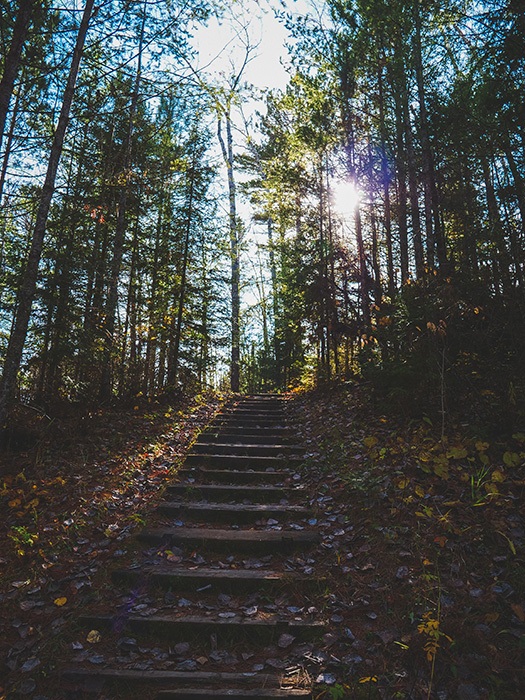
x,y
94,637
285,640
518,611
60,602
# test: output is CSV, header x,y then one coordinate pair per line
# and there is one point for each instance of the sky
x,y
221,44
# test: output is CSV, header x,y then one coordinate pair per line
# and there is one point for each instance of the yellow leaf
x,y
491,617
441,470
511,543
498,476
511,459
457,453
14,503
369,442
94,637
402,483
33,503
420,491
427,562
481,446
60,602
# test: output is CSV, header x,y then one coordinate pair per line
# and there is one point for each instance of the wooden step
x,y
176,626
226,436
234,513
234,476
234,492
243,448
239,685
233,461
163,678
247,423
239,541
239,694
242,428
252,410
217,580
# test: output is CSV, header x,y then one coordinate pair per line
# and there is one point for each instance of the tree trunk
x,y
227,153
386,189
435,235
495,226
106,381
12,61
23,312
414,199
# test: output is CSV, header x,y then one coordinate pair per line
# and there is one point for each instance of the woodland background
x,y
125,266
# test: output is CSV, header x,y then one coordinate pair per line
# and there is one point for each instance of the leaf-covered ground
x,y
69,504
421,552
424,535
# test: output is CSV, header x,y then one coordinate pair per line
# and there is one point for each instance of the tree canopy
x,y
386,184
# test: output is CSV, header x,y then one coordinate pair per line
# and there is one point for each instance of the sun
x,y
345,198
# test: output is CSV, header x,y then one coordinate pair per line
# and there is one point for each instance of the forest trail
x,y
222,545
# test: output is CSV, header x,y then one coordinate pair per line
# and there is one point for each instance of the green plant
x,y
138,519
22,538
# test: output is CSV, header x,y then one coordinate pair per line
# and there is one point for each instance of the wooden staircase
x,y
221,539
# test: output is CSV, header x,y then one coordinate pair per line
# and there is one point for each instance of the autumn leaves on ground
x,y
422,541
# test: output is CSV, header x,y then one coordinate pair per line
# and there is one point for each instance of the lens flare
x,y
346,197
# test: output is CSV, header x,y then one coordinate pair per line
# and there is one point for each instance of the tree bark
x,y
174,364
106,380
227,153
435,236
18,335
12,61
386,188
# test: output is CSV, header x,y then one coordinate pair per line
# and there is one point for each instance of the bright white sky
x,y
220,48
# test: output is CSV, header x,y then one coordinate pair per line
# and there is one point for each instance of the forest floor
x,y
422,541
69,503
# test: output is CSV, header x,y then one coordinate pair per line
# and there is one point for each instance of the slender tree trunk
x,y
9,143
519,184
386,187
495,226
435,234
12,61
375,262
106,381
414,199
398,86
131,321
23,312
333,317
322,282
363,272
227,153
151,344
275,298
174,364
